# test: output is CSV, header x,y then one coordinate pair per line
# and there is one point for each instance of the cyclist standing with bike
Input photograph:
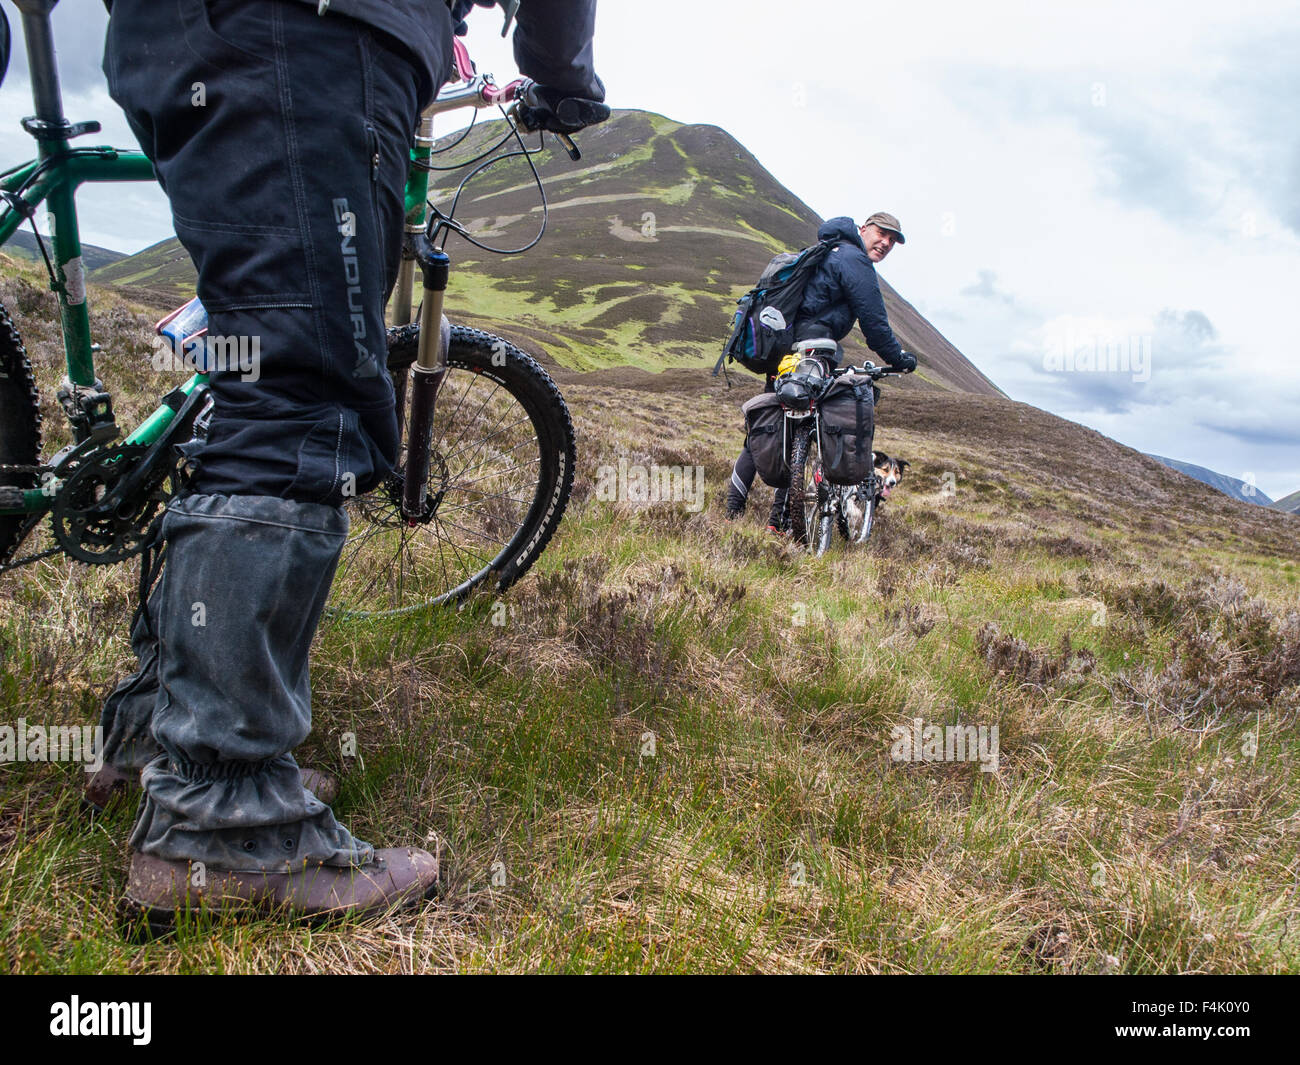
x,y
280,131
843,289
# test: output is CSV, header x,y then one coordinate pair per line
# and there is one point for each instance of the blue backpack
x,y
762,332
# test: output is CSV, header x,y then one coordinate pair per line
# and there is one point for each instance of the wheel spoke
x,y
487,470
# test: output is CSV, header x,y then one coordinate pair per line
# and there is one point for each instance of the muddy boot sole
x,y
140,923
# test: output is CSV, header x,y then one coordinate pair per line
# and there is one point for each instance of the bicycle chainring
x,y
102,538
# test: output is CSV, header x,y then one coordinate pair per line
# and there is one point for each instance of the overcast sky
x,y
1077,182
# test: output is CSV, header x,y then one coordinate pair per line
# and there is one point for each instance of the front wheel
x,y
857,511
501,467
809,499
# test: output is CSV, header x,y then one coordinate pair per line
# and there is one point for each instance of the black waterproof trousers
x,y
281,140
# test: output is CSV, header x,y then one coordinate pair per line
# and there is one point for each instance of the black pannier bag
x,y
846,426
765,435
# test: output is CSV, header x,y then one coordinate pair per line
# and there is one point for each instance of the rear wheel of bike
x,y
500,472
808,503
857,512
20,432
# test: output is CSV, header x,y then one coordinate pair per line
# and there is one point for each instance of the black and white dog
x,y
889,472
854,501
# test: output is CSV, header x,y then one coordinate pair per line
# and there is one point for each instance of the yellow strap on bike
x,y
788,364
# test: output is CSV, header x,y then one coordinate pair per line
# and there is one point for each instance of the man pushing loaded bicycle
x,y
840,287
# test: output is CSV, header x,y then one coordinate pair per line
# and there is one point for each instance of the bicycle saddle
x,y
816,347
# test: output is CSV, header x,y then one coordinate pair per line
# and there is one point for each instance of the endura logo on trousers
x,y
367,364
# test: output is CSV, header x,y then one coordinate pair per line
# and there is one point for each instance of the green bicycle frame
x,y
57,178
53,179
59,170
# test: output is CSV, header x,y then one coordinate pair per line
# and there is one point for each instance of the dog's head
x,y
889,472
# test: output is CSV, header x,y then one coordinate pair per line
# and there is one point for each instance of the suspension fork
x,y
425,378
426,375
416,208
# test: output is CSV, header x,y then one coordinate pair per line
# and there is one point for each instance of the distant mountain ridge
x,y
1229,486
650,239
1290,504
24,244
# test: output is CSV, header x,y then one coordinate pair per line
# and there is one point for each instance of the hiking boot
x,y
776,521
107,784
157,890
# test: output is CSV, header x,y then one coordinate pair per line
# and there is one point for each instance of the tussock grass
x,y
675,753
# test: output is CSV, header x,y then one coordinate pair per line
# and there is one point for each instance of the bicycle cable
x,y
461,165
473,117
447,223
19,206
40,243
50,161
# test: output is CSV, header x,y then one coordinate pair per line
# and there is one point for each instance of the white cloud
x,y
1103,161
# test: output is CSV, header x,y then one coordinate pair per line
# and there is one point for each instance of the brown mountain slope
x,y
650,238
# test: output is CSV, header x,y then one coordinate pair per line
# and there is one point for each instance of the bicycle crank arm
x,y
188,408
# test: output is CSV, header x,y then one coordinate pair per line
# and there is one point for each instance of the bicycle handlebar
x,y
478,91
481,91
870,369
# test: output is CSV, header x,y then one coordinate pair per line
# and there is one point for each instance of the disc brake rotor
x,y
385,506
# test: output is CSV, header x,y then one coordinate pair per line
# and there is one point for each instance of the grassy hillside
x,y
651,238
675,753
1290,504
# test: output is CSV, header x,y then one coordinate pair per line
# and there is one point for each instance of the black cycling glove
x,y
905,362
550,109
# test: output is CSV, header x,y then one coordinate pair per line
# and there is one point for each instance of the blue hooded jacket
x,y
844,288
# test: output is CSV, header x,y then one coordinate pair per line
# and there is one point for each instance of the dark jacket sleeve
x,y
858,280
553,45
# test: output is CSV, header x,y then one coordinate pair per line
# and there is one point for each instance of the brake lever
x,y
569,146
565,140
